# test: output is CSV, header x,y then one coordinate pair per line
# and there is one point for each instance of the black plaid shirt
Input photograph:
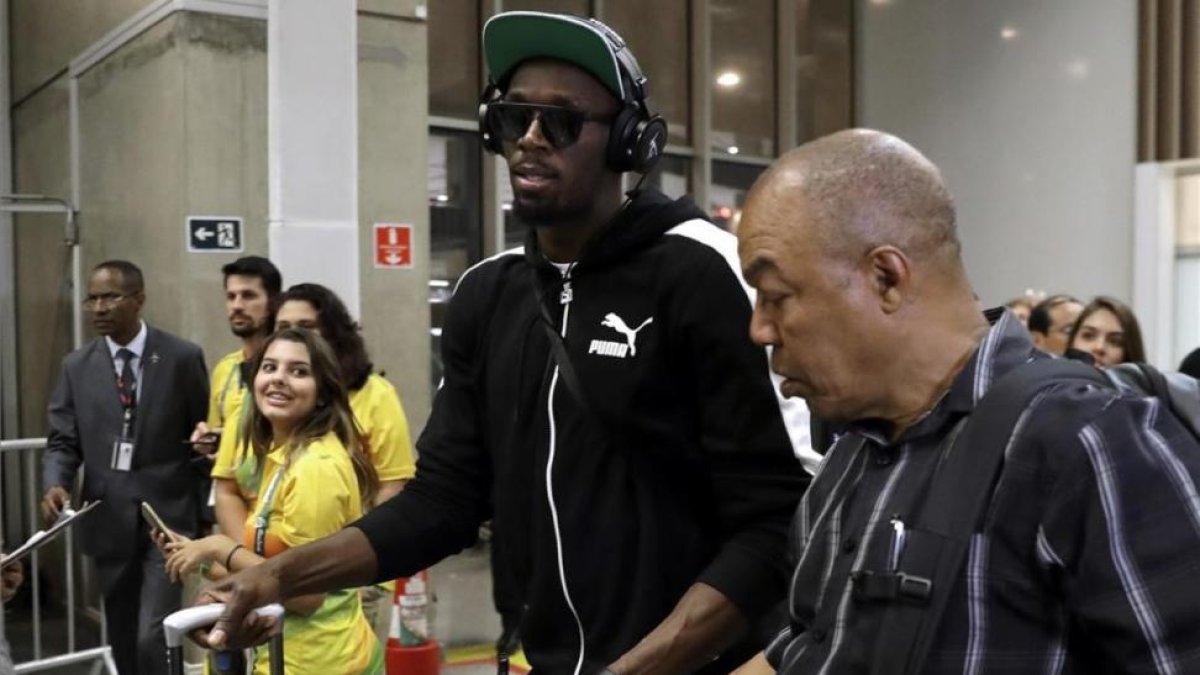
x,y
1089,559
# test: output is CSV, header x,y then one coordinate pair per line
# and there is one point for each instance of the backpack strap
x,y
929,558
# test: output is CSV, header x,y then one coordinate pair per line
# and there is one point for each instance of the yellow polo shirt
x,y
227,392
377,409
315,496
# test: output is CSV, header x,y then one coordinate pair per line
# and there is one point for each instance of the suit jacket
x,y
85,420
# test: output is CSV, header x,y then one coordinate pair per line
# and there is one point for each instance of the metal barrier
x,y
102,655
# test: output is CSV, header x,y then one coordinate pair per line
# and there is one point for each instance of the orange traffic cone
x,y
410,648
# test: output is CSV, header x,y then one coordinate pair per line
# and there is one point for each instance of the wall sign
x,y
214,234
393,246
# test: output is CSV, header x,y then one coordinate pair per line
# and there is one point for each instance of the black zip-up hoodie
x,y
678,469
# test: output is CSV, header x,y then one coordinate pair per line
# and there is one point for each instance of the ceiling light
x,y
733,150
1009,33
443,198
729,79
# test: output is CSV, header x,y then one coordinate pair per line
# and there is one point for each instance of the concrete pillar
x,y
392,141
313,131
8,312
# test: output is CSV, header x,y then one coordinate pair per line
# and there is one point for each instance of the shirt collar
x,y
137,345
1006,345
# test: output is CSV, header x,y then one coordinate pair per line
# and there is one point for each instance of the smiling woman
x,y
316,479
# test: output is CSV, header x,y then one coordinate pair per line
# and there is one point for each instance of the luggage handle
x,y
179,624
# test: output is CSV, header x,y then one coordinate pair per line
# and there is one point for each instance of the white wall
x,y
1029,107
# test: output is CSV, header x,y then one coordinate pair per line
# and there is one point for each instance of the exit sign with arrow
x,y
214,234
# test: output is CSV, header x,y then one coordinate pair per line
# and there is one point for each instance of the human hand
x,y
186,555
239,627
53,502
204,440
162,538
11,579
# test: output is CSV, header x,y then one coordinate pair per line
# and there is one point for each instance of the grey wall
x,y
46,34
1036,134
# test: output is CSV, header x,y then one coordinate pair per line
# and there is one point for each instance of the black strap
x,y
936,548
558,350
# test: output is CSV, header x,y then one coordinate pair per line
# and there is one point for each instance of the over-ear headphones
x,y
636,135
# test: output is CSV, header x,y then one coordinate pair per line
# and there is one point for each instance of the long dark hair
x,y
1134,350
338,329
332,413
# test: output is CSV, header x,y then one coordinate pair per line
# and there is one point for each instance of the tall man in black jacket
x,y
602,401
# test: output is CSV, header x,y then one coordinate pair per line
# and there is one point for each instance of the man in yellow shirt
x,y
252,288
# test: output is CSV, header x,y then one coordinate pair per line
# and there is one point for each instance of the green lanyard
x,y
264,514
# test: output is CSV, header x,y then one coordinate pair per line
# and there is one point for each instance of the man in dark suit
x,y
124,406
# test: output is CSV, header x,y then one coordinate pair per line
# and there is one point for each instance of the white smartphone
x,y
154,519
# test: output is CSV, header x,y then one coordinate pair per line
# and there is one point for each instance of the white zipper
x,y
565,300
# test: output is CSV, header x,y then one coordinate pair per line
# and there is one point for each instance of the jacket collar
x,y
1005,346
645,217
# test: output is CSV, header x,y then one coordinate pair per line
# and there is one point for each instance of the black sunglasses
x,y
560,126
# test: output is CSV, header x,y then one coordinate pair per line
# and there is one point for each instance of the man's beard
x,y
248,331
536,213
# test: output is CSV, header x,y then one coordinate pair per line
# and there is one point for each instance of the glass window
x,y
454,79
455,221
671,175
730,183
824,70
576,7
743,70
661,48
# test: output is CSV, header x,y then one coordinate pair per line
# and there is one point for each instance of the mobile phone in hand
x,y
156,521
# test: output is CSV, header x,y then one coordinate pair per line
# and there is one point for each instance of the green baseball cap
x,y
511,38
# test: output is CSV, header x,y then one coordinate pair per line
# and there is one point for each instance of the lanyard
x,y
264,514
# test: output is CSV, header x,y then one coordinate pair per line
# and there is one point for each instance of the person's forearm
x,y
341,560
702,625
240,557
229,508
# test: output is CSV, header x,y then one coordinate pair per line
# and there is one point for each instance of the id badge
x,y
122,454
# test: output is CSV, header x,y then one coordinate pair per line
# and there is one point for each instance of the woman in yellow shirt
x,y
316,479
376,408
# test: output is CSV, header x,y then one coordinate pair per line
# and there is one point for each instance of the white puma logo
x,y
611,320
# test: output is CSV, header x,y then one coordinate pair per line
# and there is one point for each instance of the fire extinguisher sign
x,y
393,246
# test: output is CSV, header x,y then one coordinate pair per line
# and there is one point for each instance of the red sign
x,y
393,245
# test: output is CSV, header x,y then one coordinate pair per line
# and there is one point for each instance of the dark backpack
x,y
1180,392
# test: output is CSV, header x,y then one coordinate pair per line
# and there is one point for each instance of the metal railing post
x,y
71,599
101,656
36,586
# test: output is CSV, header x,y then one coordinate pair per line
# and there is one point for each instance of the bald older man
x,y
1087,558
